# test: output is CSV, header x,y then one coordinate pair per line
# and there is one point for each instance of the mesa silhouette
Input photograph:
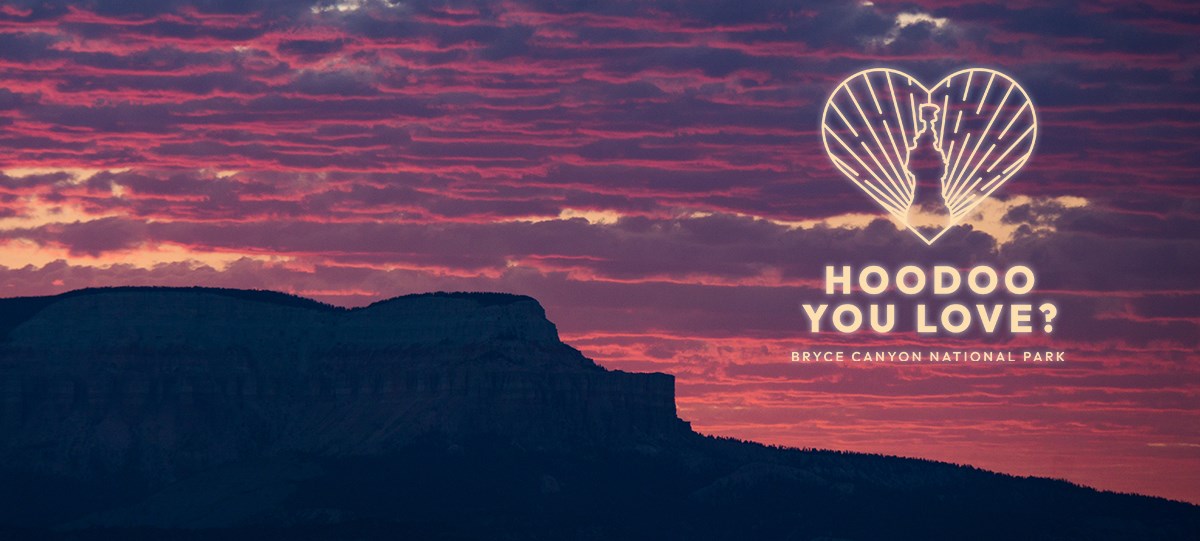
x,y
200,413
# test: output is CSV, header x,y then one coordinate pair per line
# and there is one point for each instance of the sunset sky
x,y
653,173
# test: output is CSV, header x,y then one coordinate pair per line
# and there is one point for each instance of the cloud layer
x,y
652,172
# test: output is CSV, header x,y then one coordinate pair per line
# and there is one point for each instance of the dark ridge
x,y
16,310
493,429
482,298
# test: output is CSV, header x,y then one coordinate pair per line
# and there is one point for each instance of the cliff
x,y
156,413
158,382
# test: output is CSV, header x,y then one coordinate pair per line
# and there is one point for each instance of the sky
x,y
652,172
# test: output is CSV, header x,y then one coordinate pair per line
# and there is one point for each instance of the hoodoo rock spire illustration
x,y
925,169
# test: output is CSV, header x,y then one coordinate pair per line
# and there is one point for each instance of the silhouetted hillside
x,y
197,413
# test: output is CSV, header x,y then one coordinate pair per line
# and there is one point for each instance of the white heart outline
x,y
977,197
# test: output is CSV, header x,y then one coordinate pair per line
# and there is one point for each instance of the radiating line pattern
x,y
866,128
995,131
985,124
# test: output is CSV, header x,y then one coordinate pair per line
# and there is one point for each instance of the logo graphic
x,y
929,156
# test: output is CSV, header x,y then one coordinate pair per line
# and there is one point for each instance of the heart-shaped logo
x,y
929,156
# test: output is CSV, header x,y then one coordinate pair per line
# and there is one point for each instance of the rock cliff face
x,y
160,382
